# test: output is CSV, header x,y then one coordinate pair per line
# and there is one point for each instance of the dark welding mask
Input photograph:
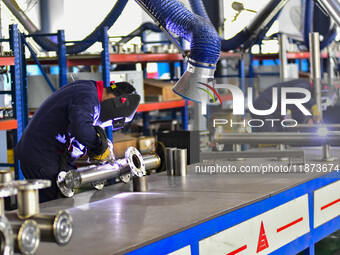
x,y
119,110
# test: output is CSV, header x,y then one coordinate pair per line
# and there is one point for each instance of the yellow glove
x,y
107,156
316,114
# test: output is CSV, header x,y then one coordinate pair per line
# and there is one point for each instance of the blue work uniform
x,y
265,100
61,130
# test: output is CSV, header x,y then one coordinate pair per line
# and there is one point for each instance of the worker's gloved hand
x,y
105,153
317,118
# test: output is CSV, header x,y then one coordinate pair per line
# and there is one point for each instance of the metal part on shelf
x,y
225,155
140,184
132,163
302,139
28,196
26,236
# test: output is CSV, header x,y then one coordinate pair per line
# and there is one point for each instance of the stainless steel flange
x,y
6,190
64,189
135,161
27,236
28,196
6,236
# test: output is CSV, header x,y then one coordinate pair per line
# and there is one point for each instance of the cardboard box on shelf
x,y
121,142
146,144
154,87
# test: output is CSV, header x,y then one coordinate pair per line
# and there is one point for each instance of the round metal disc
x,y
67,192
32,184
218,131
7,190
125,178
63,227
135,161
28,237
7,244
98,185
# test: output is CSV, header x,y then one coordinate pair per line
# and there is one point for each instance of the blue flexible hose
x,y
205,43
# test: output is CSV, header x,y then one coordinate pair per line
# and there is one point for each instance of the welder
x,y
69,124
265,99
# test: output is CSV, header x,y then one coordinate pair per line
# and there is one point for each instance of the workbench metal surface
x,y
115,220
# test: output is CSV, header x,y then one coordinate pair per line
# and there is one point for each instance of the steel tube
x,y
307,139
151,161
133,162
283,57
103,172
169,161
53,228
28,196
181,162
314,41
140,184
333,9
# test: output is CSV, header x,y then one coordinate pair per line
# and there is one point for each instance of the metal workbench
x,y
179,214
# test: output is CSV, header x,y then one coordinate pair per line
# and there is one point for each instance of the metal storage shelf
x,y
8,124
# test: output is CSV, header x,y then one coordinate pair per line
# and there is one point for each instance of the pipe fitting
x,y
55,228
28,196
133,164
6,176
6,236
26,236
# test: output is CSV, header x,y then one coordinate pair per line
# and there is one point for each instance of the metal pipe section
x,y
21,16
301,139
6,233
6,236
133,162
283,57
28,196
6,176
333,9
26,236
140,184
53,228
169,161
151,161
314,41
180,162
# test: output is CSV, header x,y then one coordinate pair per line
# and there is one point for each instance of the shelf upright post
x,y
106,67
17,90
24,83
62,58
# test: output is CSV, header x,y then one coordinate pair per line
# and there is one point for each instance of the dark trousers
x,y
34,172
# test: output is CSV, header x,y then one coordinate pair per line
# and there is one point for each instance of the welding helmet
x,y
122,108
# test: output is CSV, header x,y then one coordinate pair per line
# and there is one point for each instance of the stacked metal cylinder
x,y
176,161
23,231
